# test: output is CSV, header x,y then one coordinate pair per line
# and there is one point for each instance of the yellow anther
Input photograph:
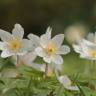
x,y
14,45
51,49
93,53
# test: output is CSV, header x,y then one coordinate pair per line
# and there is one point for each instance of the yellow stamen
x,y
14,45
51,49
93,53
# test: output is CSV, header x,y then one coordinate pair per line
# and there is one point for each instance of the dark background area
x,y
36,15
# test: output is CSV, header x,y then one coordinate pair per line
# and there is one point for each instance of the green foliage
x,y
26,81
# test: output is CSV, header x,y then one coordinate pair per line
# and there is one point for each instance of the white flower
x,y
52,49
66,82
86,48
13,44
75,32
28,60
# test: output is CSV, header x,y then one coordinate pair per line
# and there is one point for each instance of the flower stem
x,y
17,60
46,70
56,73
29,87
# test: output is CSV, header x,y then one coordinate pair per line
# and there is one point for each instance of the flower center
x,y
51,49
14,45
93,54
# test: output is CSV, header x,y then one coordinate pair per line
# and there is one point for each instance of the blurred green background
x,y
36,15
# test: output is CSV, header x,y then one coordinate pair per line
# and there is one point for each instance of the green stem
x,y
29,86
56,73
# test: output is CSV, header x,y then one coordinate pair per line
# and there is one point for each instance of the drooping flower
x,y
52,49
13,44
28,60
87,47
66,82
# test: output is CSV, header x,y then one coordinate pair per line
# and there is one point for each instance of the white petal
x,y
64,50
21,53
28,58
35,41
58,40
77,48
48,32
90,46
83,51
3,46
5,36
34,37
72,88
25,44
39,67
88,43
87,46
95,38
90,37
64,80
45,38
58,67
18,31
40,52
5,54
24,48
47,59
86,56
57,59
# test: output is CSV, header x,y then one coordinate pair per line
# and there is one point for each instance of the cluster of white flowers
x,y
45,47
49,48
